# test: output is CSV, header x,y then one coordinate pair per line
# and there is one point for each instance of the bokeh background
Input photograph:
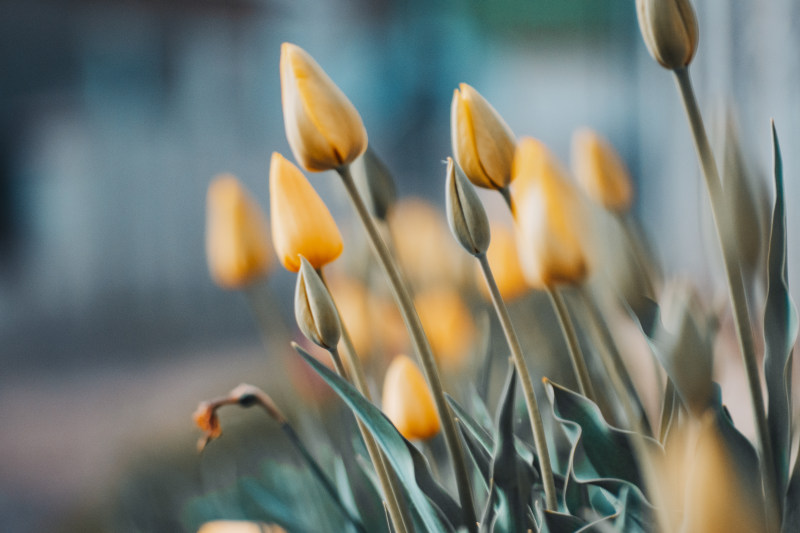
x,y
115,114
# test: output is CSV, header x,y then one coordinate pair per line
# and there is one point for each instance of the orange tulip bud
x,y
551,231
301,224
504,260
408,402
237,243
447,323
600,171
483,144
323,128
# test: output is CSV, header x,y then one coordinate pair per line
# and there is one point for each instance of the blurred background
x,y
115,115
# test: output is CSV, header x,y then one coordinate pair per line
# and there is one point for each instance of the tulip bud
x,y
448,325
323,128
465,213
314,309
301,224
237,243
352,301
600,171
717,495
376,183
669,29
551,232
238,526
407,400
483,144
504,261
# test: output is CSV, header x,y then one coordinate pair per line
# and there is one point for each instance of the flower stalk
x,y
539,438
575,353
733,274
318,319
421,346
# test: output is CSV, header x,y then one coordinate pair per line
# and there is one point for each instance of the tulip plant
x,y
591,458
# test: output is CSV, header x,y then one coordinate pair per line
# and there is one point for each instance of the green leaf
x,y
780,333
609,451
791,511
345,491
744,456
553,522
686,353
511,485
395,447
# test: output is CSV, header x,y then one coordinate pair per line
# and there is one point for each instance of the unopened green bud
x,y
669,29
465,213
314,309
375,183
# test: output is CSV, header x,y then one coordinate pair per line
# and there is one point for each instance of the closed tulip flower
x,y
551,231
504,260
408,402
483,144
448,324
669,30
600,171
323,128
301,223
237,243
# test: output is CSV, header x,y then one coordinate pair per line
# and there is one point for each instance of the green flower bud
x,y
669,29
314,309
375,183
465,213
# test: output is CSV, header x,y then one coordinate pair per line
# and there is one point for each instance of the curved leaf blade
x,y
395,447
780,332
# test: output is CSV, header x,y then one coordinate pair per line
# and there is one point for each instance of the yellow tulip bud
x,y
352,301
408,402
301,224
718,493
423,244
483,144
669,30
551,231
504,260
600,171
323,128
238,526
447,323
237,243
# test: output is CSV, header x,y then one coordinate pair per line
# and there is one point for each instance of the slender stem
x,y
568,329
667,408
736,288
642,255
615,366
421,346
539,437
386,478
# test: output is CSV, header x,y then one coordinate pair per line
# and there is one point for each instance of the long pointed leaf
x,y
508,497
388,438
780,332
609,451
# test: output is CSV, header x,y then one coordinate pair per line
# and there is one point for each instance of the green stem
x,y
397,511
615,366
539,438
736,288
667,408
421,346
568,329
